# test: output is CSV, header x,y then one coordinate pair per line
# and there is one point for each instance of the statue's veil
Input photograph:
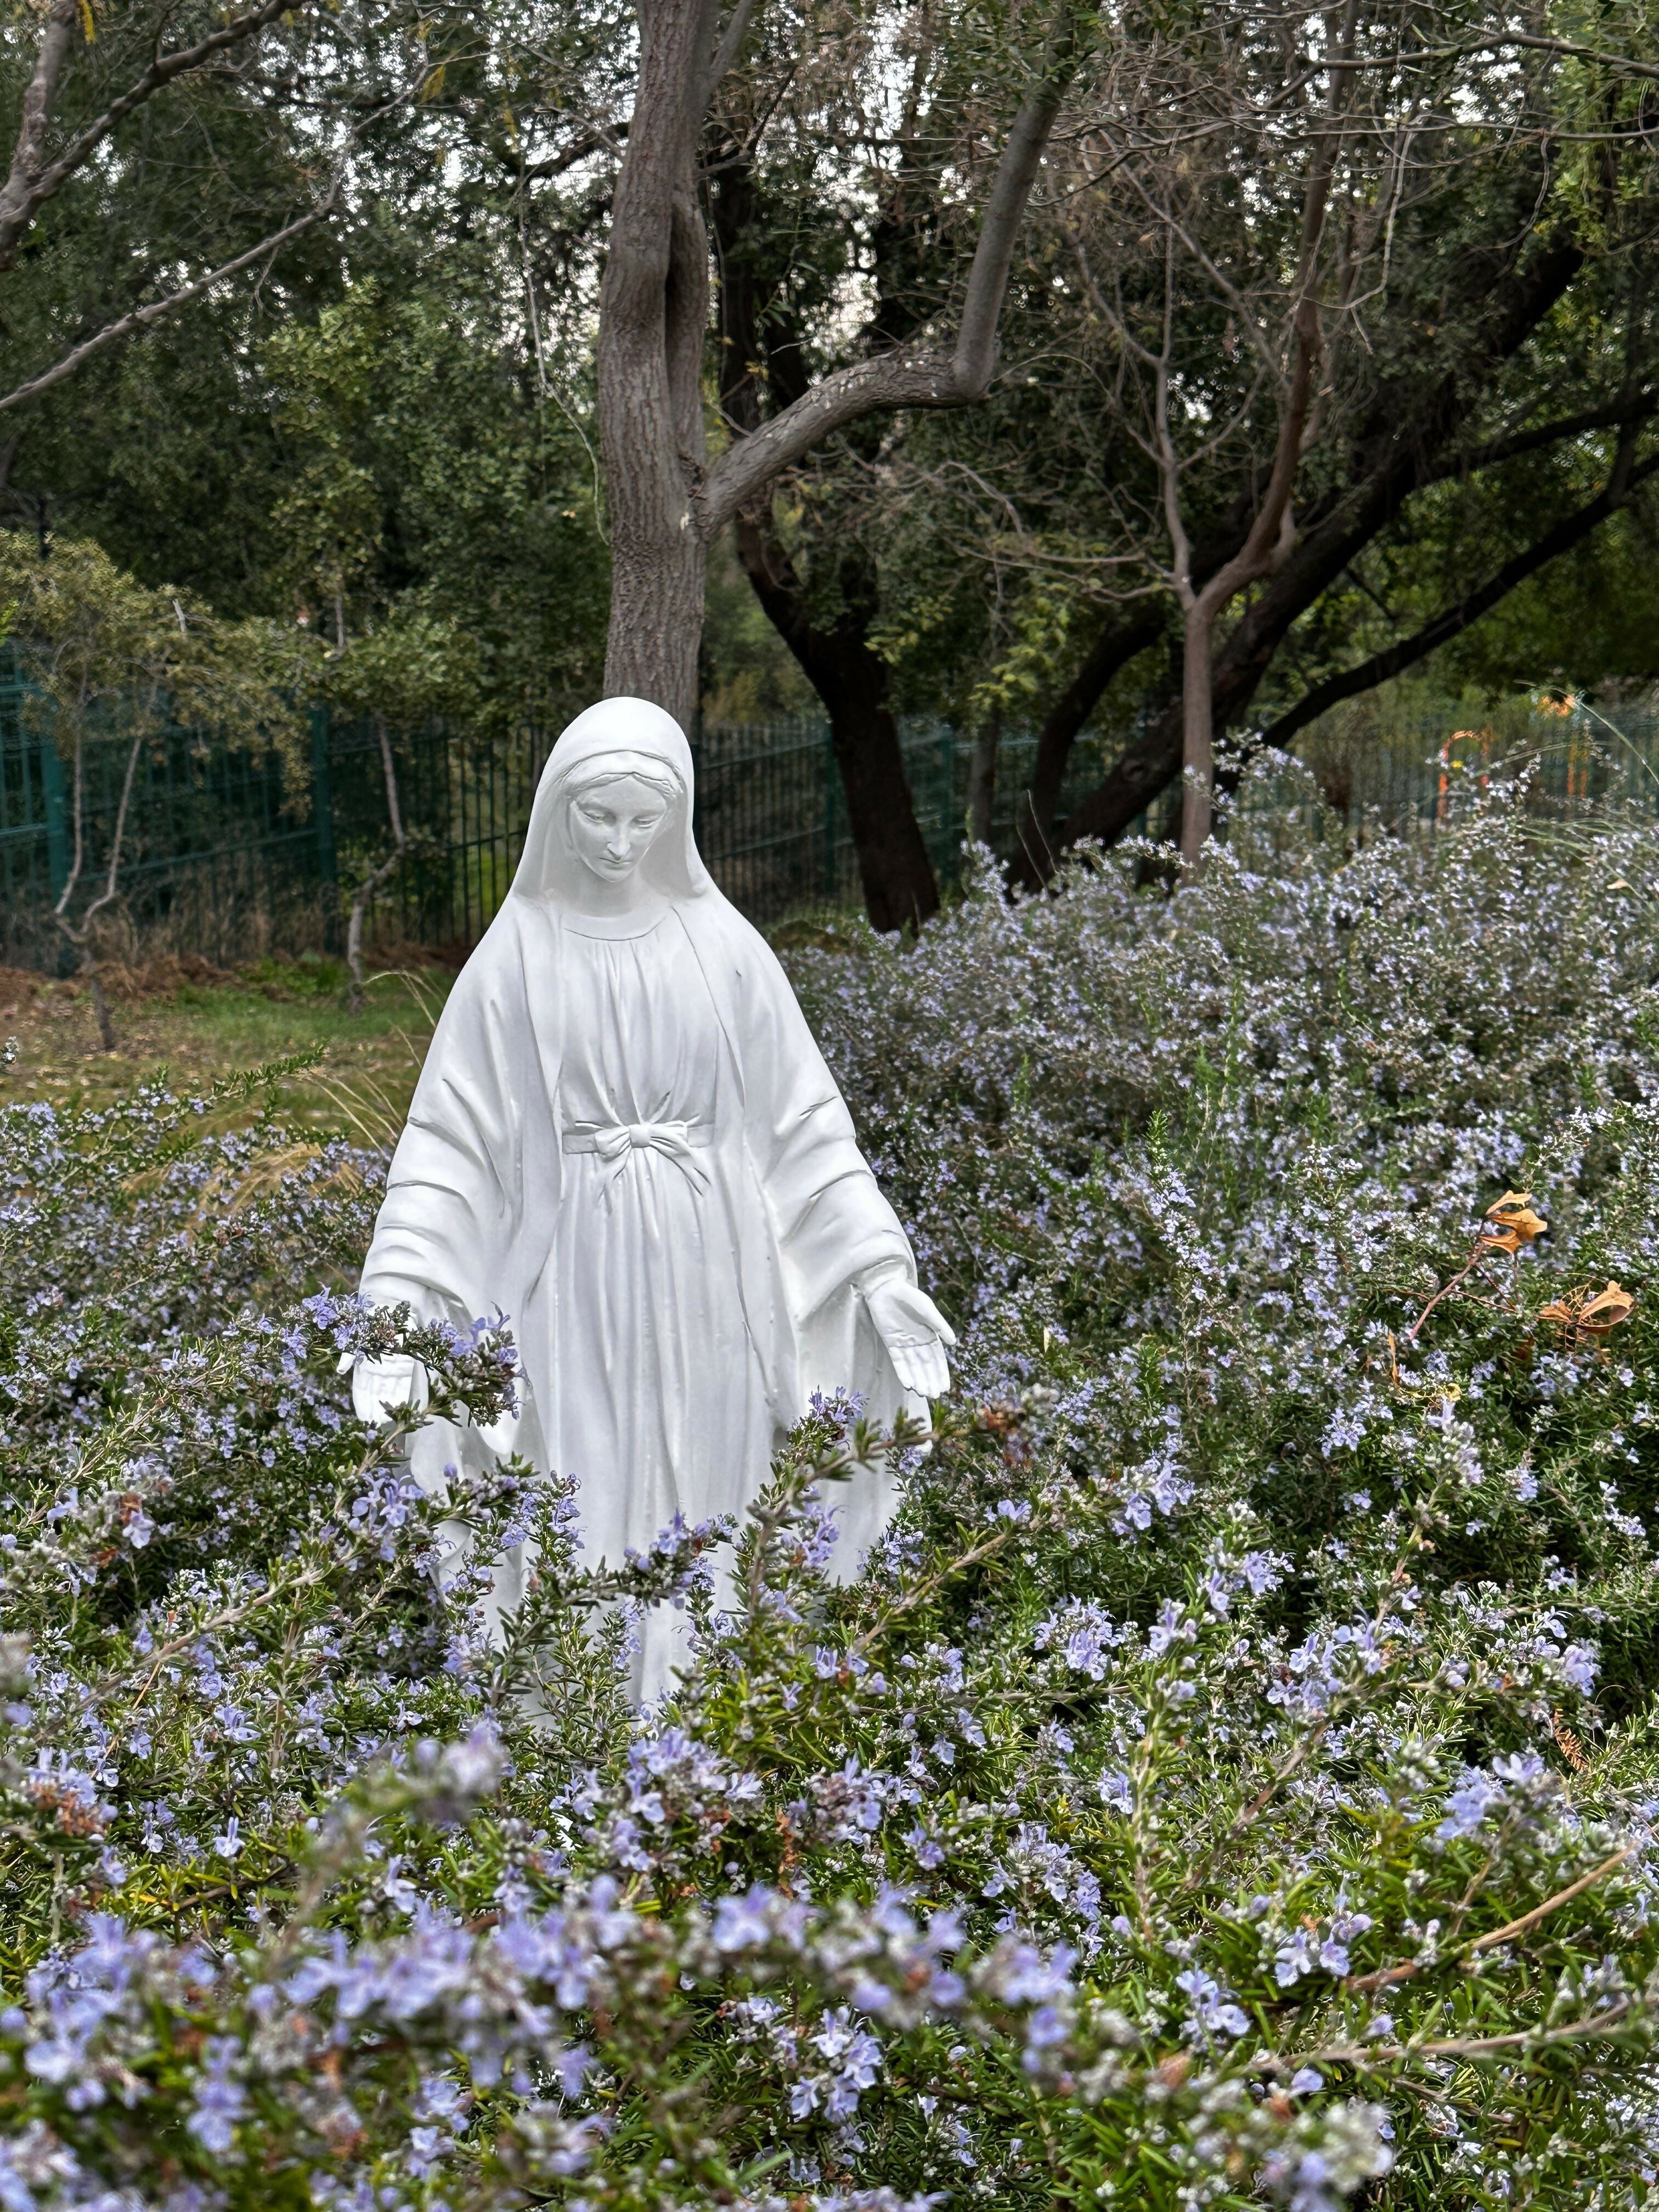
x,y
646,739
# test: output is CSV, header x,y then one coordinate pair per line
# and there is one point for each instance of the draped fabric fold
x,y
625,1137
613,1142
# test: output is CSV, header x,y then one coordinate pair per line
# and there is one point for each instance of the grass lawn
x,y
209,1026
200,1023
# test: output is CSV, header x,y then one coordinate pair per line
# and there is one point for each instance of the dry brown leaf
x,y
1514,1222
1607,1309
1572,1746
1582,1315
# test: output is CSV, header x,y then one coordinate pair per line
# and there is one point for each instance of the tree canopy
x,y
968,337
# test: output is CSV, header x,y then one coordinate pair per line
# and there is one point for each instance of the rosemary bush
x,y
1231,1782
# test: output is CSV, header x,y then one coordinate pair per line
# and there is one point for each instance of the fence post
x,y
322,806
56,826
951,825
57,822
831,778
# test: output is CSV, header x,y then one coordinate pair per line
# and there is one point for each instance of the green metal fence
x,y
224,854
1411,775
208,831
771,822
221,857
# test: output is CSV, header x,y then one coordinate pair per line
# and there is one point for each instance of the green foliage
x,y
158,448
1232,1779
1585,622
105,654
441,525
746,672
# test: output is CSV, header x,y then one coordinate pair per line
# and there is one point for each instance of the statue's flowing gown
x,y
658,1401
625,1137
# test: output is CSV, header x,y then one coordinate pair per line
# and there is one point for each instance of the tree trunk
x,y
852,681
983,779
1123,637
379,877
657,590
653,312
899,886
667,500
99,1005
1197,733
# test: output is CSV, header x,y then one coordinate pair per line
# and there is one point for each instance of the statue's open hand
x,y
915,1333
378,1383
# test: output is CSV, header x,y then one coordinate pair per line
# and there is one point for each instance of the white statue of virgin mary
x,y
625,1137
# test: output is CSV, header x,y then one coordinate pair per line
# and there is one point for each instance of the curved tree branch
x,y
30,150
731,45
1512,447
912,377
1451,621
141,319
1397,451
30,184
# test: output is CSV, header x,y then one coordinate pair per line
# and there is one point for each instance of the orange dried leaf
x,y
1607,1309
1581,1316
1515,1224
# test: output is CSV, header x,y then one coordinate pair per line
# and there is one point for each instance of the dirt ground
x,y
199,1023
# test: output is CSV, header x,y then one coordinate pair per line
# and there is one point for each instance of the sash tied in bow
x,y
617,1142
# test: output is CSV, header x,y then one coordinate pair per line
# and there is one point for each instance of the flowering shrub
x,y
1231,1782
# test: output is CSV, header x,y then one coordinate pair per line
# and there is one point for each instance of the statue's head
x,y
614,804
616,809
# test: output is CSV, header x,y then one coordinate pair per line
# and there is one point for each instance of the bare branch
x,y
61,909
1371,2055
905,378
912,377
141,319
1517,442
394,811
1168,463
731,45
1571,50
602,138
974,359
111,881
29,187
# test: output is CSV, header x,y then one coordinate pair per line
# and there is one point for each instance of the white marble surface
x,y
625,1137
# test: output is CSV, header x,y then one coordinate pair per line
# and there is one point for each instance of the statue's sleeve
x,y
444,1237
834,1225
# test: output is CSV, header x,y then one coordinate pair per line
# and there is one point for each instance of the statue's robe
x,y
625,1137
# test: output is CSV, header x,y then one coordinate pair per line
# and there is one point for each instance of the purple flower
x,y
220,2102
741,1924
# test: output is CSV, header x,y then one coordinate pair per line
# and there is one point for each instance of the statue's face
x,y
614,825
